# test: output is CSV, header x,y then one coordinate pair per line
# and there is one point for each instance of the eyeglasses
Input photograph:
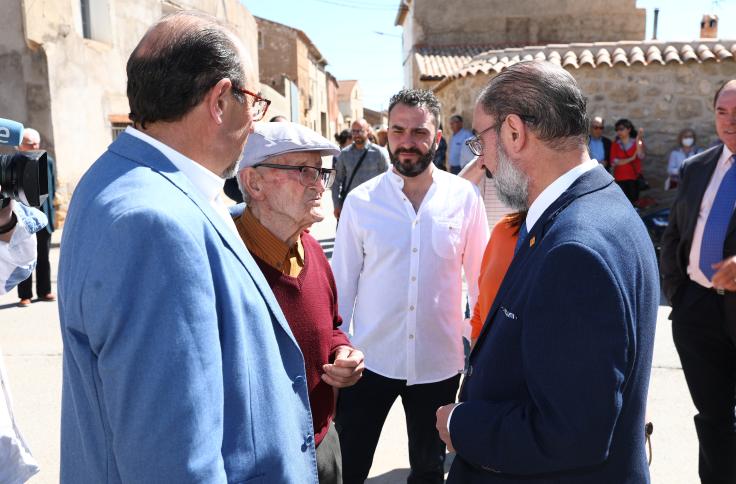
x,y
597,127
260,104
308,175
621,128
476,145
357,131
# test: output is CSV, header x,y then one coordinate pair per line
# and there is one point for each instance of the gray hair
x,y
545,96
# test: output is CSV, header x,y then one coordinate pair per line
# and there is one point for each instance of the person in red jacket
x,y
627,153
282,181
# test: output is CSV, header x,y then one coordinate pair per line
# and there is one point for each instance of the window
x,y
95,20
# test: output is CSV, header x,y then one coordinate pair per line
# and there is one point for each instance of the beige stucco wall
x,y
71,95
661,99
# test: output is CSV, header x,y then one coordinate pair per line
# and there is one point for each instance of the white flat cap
x,y
273,139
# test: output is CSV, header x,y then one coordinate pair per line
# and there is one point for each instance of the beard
x,y
511,183
408,168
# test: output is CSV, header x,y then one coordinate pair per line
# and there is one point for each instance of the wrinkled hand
x,y
725,276
347,368
442,414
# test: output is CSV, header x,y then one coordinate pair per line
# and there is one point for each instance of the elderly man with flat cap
x,y
282,181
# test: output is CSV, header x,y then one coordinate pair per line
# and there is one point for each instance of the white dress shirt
x,y
399,274
554,190
693,267
207,183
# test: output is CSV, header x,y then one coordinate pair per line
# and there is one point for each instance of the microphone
x,y
11,132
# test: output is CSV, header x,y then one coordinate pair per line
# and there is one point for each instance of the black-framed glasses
x,y
308,175
476,145
260,104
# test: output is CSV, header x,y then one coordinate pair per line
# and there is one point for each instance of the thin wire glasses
x,y
476,145
308,175
260,104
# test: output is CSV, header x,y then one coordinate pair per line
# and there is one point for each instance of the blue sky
x,y
359,40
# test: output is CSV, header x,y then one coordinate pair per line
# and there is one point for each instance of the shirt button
x,y
413,279
308,439
411,336
411,308
414,249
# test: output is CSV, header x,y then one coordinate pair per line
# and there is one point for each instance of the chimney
x,y
656,21
709,27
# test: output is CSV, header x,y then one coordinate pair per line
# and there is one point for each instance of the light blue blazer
x,y
179,366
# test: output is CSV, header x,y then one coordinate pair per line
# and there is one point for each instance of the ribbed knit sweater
x,y
309,302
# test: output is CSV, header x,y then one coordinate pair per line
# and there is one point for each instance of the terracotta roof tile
x,y
438,63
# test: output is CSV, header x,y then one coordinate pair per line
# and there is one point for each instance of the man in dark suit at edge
x,y
699,278
556,387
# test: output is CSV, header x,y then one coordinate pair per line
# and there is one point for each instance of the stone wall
x,y
661,99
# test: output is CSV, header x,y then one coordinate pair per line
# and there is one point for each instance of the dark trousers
x,y
630,189
43,269
329,458
707,351
362,409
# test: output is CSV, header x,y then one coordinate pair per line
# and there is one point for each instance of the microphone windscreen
x,y
11,132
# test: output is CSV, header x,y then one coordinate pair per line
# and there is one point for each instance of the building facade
x,y
660,86
350,100
62,68
288,52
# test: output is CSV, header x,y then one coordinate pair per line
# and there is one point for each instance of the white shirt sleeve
x,y
347,262
475,244
18,256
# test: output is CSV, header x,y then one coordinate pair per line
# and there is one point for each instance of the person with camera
x,y
31,142
18,225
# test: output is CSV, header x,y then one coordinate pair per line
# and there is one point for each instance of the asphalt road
x,y
31,345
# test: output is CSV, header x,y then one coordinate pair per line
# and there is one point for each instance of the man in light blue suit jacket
x,y
178,363
556,387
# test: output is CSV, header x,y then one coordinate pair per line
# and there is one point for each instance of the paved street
x,y
30,341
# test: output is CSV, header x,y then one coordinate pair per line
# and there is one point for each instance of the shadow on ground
x,y
398,476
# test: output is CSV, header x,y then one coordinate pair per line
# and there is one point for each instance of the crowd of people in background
x,y
241,354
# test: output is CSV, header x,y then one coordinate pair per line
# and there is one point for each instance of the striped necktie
x,y
522,235
714,234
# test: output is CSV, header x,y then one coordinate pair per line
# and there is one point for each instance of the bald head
x,y
31,140
177,61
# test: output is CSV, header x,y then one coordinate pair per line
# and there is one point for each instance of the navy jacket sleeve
x,y
575,340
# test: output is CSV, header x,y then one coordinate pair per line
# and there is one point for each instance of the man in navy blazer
x,y
178,363
556,388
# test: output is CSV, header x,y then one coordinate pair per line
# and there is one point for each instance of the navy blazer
x,y
179,365
557,384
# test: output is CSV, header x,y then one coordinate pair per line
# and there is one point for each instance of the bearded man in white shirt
x,y
404,239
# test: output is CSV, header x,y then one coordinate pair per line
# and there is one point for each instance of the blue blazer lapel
x,y
140,152
589,182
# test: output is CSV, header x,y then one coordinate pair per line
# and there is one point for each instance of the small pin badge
x,y
532,241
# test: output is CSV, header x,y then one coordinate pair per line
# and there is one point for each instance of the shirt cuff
x,y
449,417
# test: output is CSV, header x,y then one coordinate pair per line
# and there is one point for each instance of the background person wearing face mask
x,y
685,149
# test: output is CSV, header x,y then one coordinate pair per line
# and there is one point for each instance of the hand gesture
x,y
347,368
725,276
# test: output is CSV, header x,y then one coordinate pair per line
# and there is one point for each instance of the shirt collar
x,y
554,190
725,156
208,184
267,247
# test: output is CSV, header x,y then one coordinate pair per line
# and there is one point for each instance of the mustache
x,y
408,150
